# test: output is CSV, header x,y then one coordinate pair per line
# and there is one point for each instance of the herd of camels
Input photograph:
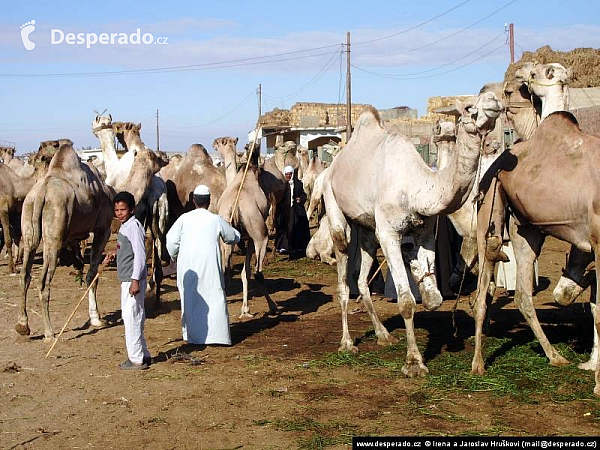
x,y
377,190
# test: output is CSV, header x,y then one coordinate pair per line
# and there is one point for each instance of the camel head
x,y
101,123
49,148
6,153
542,75
126,131
478,116
154,161
444,130
225,145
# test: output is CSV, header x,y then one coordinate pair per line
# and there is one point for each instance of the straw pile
x,y
584,64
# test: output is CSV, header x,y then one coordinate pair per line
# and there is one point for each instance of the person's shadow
x,y
194,308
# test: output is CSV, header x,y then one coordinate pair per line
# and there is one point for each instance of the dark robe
x,y
293,231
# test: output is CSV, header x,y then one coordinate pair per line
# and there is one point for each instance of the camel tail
x,y
31,221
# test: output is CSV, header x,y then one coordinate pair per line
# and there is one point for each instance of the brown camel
x,y
13,190
249,218
63,207
195,168
380,185
527,180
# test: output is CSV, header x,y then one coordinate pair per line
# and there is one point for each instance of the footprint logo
x,y
26,30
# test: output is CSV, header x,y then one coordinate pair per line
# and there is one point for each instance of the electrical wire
x,y
188,68
506,5
318,75
435,74
407,75
242,102
413,27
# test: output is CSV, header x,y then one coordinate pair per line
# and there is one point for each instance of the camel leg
x,y
46,275
368,248
596,312
591,363
101,237
245,311
527,242
490,223
340,235
422,266
8,241
22,326
390,240
574,279
260,248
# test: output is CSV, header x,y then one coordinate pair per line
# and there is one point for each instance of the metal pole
x,y
511,41
157,138
348,91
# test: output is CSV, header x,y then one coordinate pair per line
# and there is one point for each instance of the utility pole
x,y
157,138
511,42
348,91
259,100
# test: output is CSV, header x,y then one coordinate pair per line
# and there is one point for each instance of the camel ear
x,y
97,117
236,141
139,126
110,117
549,72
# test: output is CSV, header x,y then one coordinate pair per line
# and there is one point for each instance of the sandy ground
x,y
262,392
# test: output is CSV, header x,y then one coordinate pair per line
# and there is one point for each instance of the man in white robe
x,y
193,241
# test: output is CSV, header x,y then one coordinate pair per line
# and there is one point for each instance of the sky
x,y
205,61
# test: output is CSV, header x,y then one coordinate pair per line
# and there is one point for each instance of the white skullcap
x,y
288,169
201,190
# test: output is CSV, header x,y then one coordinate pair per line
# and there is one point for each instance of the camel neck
x,y
557,99
107,143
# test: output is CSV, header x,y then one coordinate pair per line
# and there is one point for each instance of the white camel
x,y
380,185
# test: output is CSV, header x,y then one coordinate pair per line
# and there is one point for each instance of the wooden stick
x,y
237,197
100,269
359,298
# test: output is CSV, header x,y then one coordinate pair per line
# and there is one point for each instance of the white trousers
x,y
134,315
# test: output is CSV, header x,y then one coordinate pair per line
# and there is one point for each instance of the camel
x,y
13,190
249,217
285,155
321,245
541,203
195,168
135,172
536,91
62,208
310,168
380,185
316,196
6,154
169,171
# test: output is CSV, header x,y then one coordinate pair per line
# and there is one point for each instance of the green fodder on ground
x,y
520,372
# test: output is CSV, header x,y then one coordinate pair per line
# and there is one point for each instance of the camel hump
x,y
369,118
65,159
563,116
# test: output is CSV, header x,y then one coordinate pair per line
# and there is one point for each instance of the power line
x,y
415,26
506,5
408,75
318,75
191,67
242,102
435,74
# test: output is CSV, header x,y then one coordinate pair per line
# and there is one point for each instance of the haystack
x,y
584,64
